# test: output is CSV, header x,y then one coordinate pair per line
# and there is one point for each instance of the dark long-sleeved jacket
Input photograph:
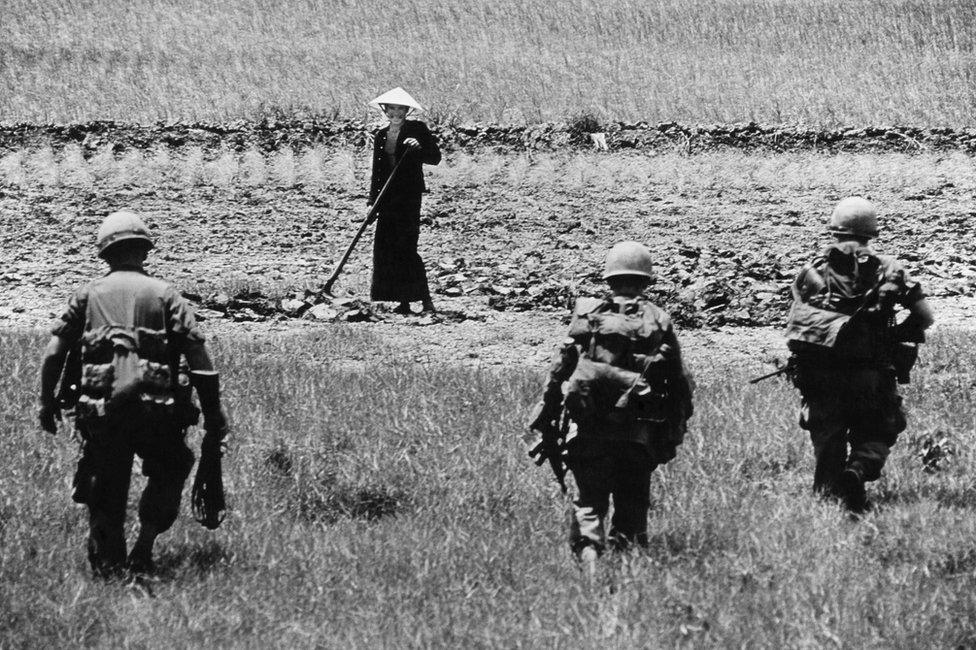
x,y
409,182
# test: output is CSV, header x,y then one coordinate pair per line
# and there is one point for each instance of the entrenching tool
x,y
326,289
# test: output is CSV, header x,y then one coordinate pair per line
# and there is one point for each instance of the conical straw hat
x,y
396,96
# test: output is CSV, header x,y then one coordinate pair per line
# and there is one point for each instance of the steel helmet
x,y
120,226
854,216
628,258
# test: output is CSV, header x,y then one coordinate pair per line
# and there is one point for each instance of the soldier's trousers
x,y
617,470
853,405
103,481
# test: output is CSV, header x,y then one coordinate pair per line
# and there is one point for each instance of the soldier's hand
x,y
49,415
411,144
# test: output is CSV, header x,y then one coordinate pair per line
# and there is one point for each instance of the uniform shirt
x,y
127,297
818,318
897,286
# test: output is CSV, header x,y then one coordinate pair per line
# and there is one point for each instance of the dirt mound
x,y
299,134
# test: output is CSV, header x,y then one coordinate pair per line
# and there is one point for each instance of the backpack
x,y
620,374
846,315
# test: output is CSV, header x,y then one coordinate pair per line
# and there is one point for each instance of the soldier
x,y
614,406
848,352
129,332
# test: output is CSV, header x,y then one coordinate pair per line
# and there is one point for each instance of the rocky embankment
x,y
271,135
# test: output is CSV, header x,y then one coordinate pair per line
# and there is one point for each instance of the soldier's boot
x,y
403,308
850,488
106,546
140,560
829,465
428,307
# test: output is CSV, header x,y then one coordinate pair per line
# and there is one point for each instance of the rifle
x,y
787,370
548,446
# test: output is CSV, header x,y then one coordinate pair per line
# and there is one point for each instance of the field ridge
x,y
269,134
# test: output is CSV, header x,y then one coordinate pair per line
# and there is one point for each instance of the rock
x,y
357,316
219,301
207,314
322,312
294,307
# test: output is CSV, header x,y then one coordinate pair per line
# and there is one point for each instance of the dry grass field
x,y
816,62
390,505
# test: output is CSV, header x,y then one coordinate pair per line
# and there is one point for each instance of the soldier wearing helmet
x,y
849,350
614,406
129,332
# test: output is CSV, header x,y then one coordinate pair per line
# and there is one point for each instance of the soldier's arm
x,y
920,318
911,297
65,334
197,356
678,374
190,341
51,366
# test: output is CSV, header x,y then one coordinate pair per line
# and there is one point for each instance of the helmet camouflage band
x,y
628,258
854,216
121,226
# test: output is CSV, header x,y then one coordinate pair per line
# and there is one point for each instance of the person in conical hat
x,y
399,274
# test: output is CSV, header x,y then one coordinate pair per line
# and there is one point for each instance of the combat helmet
x,y
121,226
628,258
854,216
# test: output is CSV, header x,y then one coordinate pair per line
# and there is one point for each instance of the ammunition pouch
x,y
120,366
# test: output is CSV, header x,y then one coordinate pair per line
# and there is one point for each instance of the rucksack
x,y
620,374
847,314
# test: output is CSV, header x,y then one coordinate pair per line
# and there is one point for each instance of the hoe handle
x,y
327,287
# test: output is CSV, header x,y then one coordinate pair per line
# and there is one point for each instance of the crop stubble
x,y
830,63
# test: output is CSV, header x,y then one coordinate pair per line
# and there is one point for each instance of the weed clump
x,y
329,500
581,126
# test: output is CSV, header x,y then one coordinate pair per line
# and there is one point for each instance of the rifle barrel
x,y
768,375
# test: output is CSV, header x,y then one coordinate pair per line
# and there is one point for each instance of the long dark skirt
x,y
398,272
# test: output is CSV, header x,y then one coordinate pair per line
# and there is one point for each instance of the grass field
x,y
391,505
776,61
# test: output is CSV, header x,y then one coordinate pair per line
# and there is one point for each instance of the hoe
x,y
326,289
